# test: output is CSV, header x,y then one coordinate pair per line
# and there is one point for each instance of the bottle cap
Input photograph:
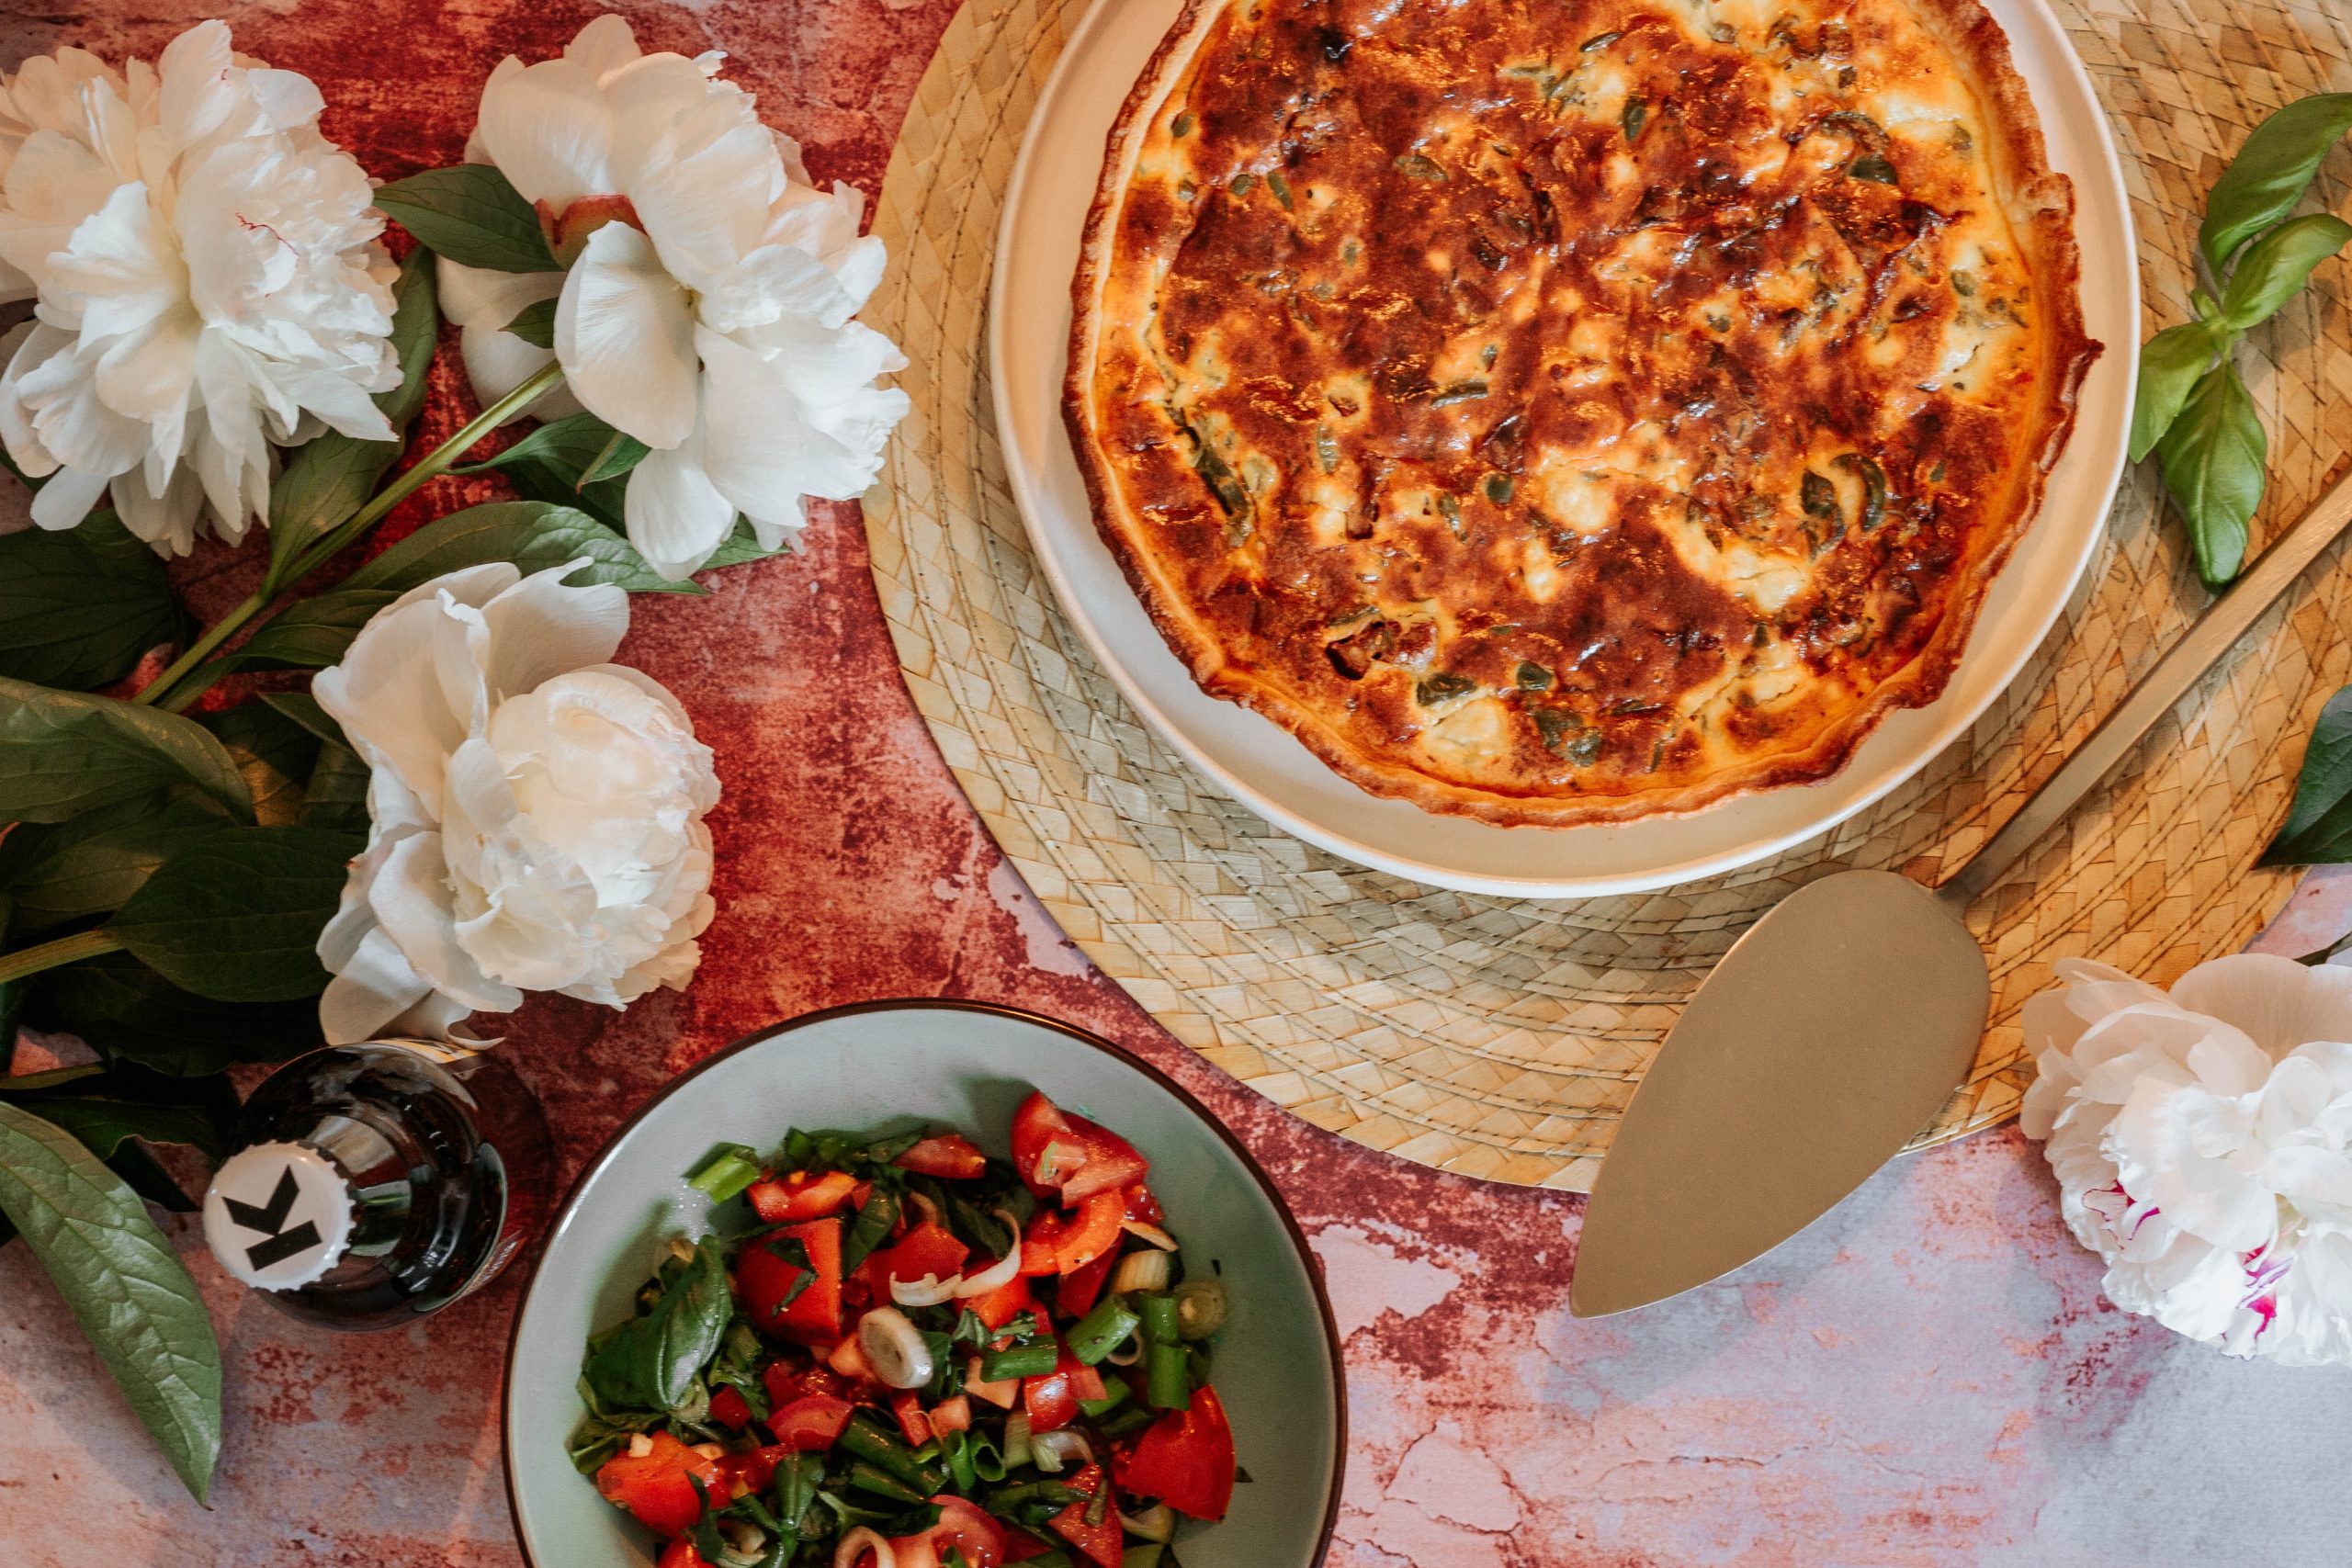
x,y
278,1215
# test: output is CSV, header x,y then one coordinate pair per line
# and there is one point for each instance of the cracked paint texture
x,y
1928,1377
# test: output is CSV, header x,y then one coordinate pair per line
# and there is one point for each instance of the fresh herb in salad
x,y
908,1355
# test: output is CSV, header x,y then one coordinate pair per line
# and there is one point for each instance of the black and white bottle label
x,y
278,1215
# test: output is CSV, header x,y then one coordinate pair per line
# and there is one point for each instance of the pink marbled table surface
x,y
1928,1377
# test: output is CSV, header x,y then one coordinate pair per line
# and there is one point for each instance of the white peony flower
x,y
706,309
2202,1142
207,282
537,811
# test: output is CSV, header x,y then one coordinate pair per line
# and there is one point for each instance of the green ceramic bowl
x,y
892,1064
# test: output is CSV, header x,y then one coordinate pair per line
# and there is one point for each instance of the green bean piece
x,y
1102,1330
1020,1362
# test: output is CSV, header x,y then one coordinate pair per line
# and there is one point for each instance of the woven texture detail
x,y
1501,1037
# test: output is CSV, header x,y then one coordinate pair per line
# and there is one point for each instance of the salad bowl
x,y
894,1065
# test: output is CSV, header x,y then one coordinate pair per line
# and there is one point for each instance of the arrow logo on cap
x,y
268,1219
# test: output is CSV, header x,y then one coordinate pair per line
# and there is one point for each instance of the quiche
x,y
1561,412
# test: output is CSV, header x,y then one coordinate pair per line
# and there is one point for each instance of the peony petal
x,y
411,897
625,337
2280,1004
604,45
539,628
67,498
548,131
675,517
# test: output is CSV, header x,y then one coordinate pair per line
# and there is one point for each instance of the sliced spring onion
x,y
868,1439
1016,1439
1155,1523
725,1171
928,1292
1140,1272
855,1543
1056,1452
1018,1361
1201,1308
1150,1233
1001,1274
895,1347
1114,1394
868,1477
1102,1330
999,1391
1126,1355
1167,1381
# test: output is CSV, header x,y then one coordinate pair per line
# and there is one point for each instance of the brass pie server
x,y
1831,1032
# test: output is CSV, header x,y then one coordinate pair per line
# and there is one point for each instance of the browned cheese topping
x,y
1566,398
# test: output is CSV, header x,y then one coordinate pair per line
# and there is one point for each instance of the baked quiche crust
x,y
1574,411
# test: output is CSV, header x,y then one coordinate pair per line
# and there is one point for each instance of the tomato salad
x,y
918,1357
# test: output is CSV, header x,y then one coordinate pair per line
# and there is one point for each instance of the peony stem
x,y
50,954
162,690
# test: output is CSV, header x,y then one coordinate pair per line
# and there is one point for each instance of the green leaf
x,y
743,546
2270,174
621,454
237,916
652,1362
2318,830
91,865
2212,459
312,633
145,1175
304,710
66,752
125,1288
471,215
336,798
534,534
332,476
130,1101
569,447
126,1010
2278,264
273,752
78,606
534,323
2170,364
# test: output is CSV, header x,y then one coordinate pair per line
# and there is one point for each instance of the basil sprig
x,y
2192,409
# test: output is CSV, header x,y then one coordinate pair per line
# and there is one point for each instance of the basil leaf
x,y
94,863
335,797
331,477
532,534
471,215
2318,830
237,916
62,753
2170,364
651,1361
871,1227
304,710
2270,174
80,606
534,323
2278,264
312,633
2212,459
128,1011
125,1288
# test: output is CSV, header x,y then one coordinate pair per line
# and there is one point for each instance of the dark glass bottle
x,y
373,1184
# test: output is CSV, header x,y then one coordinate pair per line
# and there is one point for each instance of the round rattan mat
x,y
1501,1037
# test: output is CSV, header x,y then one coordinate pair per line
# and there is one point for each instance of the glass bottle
x,y
369,1185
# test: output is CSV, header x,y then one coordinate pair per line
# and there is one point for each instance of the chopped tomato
x,y
1102,1539
913,1425
976,1537
812,1422
1021,1546
1085,1381
800,1195
951,1415
787,1381
1079,1289
1056,1153
997,1307
1143,1207
1185,1460
658,1488
1063,1243
1050,1400
951,1156
682,1554
1001,1393
765,1281
729,1408
928,1250
742,1474
848,1357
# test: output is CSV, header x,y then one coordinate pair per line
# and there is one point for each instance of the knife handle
x,y
2201,648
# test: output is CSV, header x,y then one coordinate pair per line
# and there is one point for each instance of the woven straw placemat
x,y
1501,1037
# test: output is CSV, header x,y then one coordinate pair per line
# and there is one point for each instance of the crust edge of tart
x,y
2041,212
